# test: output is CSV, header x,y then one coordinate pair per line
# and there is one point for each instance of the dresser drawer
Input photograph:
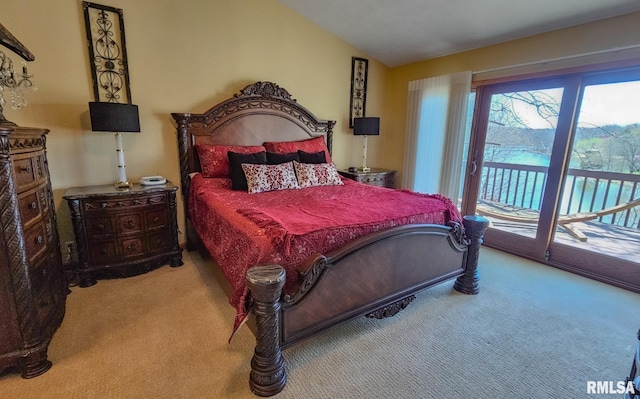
x,y
45,303
36,238
30,204
39,273
25,171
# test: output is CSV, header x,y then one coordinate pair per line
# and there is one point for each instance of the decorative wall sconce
x,y
12,83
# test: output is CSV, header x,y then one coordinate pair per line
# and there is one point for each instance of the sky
x,y
604,104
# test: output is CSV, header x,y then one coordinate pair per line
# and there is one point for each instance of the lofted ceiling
x,y
398,32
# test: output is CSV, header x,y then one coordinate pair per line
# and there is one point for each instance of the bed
x,y
301,278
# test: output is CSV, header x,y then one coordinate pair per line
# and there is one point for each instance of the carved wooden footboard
x,y
376,276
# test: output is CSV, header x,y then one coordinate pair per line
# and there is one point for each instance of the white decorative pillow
x,y
317,174
261,178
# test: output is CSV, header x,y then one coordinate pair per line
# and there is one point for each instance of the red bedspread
x,y
286,227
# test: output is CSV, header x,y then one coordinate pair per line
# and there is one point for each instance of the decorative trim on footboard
x,y
391,310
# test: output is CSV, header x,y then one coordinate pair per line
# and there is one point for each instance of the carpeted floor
x,y
532,332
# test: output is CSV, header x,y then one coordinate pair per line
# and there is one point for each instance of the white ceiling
x,y
398,32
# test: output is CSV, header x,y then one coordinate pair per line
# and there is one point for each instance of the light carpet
x,y
532,332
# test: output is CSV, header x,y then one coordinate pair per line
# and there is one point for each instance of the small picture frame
x,y
107,53
358,101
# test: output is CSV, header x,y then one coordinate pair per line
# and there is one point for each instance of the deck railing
x,y
522,186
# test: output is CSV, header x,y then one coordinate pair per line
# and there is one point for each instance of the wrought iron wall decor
x,y
359,70
107,53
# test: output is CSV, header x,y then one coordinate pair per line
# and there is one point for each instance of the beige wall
x,y
607,34
184,56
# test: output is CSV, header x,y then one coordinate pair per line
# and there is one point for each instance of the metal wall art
x,y
107,53
359,69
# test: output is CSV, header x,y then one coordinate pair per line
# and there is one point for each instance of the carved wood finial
x,y
265,89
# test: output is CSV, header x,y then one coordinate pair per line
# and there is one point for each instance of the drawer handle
x,y
45,272
101,226
39,240
104,251
26,169
104,205
34,205
156,219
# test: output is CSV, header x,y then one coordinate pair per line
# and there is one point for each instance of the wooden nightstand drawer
x,y
156,219
128,232
157,242
100,227
123,204
103,253
132,247
129,224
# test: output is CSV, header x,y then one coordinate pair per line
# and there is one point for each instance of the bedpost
x,y
475,227
268,375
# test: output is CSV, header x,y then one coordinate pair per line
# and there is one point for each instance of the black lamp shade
x,y
114,117
366,126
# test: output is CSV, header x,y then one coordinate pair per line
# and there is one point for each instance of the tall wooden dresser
x,y
33,287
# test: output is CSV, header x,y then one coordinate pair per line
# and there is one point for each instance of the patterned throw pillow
x,y
311,145
261,178
214,161
318,174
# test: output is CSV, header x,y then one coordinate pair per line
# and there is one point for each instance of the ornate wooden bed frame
x,y
376,275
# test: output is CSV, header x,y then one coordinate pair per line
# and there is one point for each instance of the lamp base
x,y
123,185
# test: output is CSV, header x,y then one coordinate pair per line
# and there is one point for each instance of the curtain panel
x,y
436,121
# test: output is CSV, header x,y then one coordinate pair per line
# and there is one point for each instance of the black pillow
x,y
236,159
274,158
312,157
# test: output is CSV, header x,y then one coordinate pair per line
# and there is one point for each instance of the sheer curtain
x,y
436,120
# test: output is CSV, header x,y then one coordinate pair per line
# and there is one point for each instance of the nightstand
x,y
374,177
122,233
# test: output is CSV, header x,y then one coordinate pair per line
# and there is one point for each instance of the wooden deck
x,y
603,238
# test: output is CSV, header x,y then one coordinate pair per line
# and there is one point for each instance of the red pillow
x,y
315,144
214,161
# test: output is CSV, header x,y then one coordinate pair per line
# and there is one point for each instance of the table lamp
x,y
369,126
115,117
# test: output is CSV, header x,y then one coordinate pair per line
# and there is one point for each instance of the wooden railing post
x,y
268,375
475,227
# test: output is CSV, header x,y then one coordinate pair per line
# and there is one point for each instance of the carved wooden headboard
x,y
262,111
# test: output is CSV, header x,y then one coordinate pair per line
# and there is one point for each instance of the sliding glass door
x,y
555,165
